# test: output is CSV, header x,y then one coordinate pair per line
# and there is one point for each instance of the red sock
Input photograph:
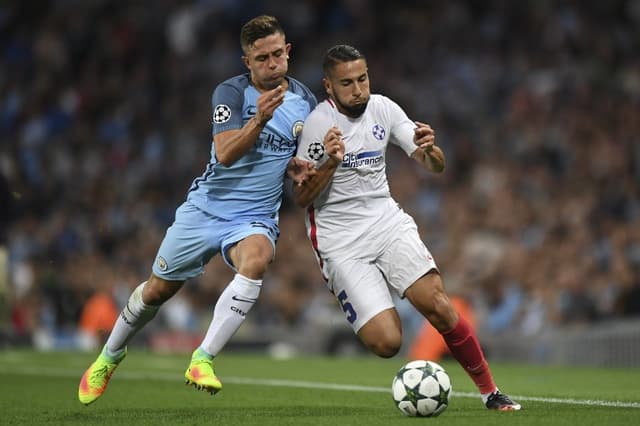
x,y
465,348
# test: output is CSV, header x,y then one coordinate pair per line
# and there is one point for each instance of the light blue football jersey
x,y
253,185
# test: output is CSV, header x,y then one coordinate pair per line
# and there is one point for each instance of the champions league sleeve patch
x,y
315,151
221,114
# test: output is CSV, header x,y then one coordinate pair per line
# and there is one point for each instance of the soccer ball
x,y
421,389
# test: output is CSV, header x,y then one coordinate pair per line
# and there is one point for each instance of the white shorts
x,y
362,282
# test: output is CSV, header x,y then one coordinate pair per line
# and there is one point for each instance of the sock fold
x,y
135,315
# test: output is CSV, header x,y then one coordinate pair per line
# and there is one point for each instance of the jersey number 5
x,y
347,307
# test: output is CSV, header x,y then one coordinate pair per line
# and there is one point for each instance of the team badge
x,y
296,129
315,151
378,132
221,114
162,264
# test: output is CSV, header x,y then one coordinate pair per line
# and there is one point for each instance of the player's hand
x,y
334,145
424,137
300,170
268,102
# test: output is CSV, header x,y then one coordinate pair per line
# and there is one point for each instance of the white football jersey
x,y
354,207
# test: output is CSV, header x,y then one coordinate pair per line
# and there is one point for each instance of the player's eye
x,y
277,53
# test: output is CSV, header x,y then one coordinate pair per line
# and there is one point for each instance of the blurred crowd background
x,y
105,119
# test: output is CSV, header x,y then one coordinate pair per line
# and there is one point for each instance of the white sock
x,y
132,318
232,307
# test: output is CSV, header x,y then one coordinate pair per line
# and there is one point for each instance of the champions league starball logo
x,y
378,132
315,151
221,114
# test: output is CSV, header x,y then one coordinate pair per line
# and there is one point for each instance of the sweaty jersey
x,y
253,185
357,203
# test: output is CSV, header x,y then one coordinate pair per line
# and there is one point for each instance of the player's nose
x,y
272,63
357,92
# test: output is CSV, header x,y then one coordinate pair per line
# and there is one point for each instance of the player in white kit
x,y
364,242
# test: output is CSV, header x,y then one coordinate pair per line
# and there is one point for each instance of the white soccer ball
x,y
421,389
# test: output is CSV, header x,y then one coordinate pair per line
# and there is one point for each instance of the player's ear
x,y
245,59
327,86
287,49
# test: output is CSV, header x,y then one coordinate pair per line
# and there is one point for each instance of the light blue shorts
x,y
196,236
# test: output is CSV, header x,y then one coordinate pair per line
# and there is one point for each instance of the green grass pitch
x,y
148,389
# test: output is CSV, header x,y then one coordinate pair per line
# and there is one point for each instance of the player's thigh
x,y
360,288
188,245
383,332
405,258
251,255
249,246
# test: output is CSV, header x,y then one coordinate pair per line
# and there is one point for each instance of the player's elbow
x,y
225,159
224,155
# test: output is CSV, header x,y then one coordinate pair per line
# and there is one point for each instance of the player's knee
x,y
254,267
387,346
252,256
442,314
429,297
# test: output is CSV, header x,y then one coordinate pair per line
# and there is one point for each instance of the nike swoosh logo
x,y
242,299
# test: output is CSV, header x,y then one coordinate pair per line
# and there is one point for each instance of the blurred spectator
x,y
98,315
6,213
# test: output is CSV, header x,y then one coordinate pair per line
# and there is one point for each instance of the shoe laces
x,y
99,373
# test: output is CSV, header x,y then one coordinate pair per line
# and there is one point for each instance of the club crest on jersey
x,y
162,264
221,114
315,151
296,129
378,132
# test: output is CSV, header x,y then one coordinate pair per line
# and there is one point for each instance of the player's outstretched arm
x,y
428,153
233,144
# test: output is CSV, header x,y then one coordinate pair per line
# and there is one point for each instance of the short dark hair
x,y
259,27
338,54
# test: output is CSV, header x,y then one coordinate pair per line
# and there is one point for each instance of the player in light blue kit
x,y
232,209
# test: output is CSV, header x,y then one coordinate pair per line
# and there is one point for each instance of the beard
x,y
353,111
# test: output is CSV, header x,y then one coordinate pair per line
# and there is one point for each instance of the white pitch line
x,y
336,386
128,375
